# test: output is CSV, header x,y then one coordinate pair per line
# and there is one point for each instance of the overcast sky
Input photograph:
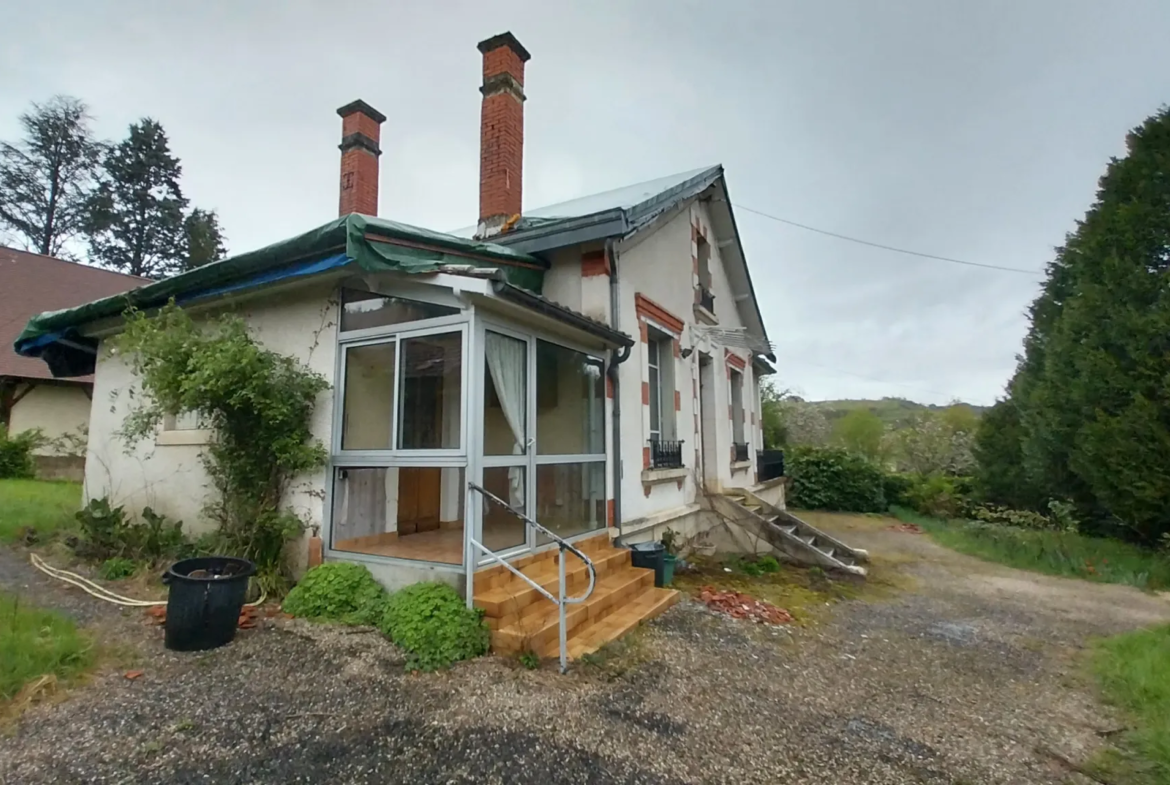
x,y
973,130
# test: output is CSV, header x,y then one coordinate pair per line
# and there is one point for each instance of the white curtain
x,y
507,361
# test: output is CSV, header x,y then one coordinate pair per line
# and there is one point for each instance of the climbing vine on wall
x,y
258,404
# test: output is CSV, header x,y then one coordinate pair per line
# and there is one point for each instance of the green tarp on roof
x,y
370,244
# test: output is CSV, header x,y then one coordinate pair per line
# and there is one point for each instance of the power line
x,y
885,247
873,379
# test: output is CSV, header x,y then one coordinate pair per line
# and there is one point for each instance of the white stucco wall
x,y
57,409
659,265
170,477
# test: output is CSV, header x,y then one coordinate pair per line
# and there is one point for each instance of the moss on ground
x,y
805,592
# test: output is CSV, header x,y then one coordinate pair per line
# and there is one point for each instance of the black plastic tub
x,y
650,555
204,602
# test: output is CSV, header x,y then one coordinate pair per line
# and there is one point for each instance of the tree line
x,y
1082,435
61,188
1086,416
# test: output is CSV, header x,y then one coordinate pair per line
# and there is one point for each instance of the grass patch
x,y
1133,671
1050,552
45,507
36,643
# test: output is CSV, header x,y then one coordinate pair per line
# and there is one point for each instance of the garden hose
x,y
101,592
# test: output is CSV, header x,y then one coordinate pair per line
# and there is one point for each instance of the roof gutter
x,y
539,304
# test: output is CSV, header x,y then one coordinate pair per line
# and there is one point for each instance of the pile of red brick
x,y
908,528
249,615
738,605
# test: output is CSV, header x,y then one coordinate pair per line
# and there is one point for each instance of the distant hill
x,y
894,412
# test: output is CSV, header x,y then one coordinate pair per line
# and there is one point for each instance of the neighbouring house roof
x,y
31,283
625,211
368,243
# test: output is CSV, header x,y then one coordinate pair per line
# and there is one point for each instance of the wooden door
x,y
418,499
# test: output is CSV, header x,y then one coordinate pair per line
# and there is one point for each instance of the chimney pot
x,y
361,132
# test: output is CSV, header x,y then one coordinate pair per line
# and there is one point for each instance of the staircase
x,y
800,541
521,619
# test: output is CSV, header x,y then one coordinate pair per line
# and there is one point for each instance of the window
x,y
505,400
737,414
570,396
405,512
703,253
430,404
362,310
570,498
660,365
187,421
570,441
368,406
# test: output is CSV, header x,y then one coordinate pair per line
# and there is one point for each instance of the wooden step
x,y
644,606
537,631
515,595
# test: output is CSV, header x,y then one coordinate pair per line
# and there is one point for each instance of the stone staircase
x,y
797,539
521,619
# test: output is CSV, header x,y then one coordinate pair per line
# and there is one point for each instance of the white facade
x,y
657,272
59,410
167,473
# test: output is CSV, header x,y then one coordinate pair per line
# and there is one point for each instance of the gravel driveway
x,y
968,675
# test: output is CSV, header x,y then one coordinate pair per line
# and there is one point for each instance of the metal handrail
x,y
561,600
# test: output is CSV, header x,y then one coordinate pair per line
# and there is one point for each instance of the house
x,y
30,396
595,365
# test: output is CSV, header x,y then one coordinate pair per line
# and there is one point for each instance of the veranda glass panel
x,y
570,498
404,512
501,529
505,400
367,411
360,310
430,405
570,395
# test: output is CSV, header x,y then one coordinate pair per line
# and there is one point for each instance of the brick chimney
x,y
361,130
501,139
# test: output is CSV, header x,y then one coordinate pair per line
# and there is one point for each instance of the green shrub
x,y
338,591
16,460
764,565
937,495
106,533
434,625
117,568
833,479
895,487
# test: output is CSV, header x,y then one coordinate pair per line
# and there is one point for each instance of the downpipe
x,y
617,357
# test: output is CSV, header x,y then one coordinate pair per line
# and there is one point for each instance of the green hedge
x,y
833,479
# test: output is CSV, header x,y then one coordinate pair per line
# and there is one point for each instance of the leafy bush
x,y
895,486
937,495
338,591
107,533
16,461
117,568
1005,516
833,479
764,565
434,625
258,403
